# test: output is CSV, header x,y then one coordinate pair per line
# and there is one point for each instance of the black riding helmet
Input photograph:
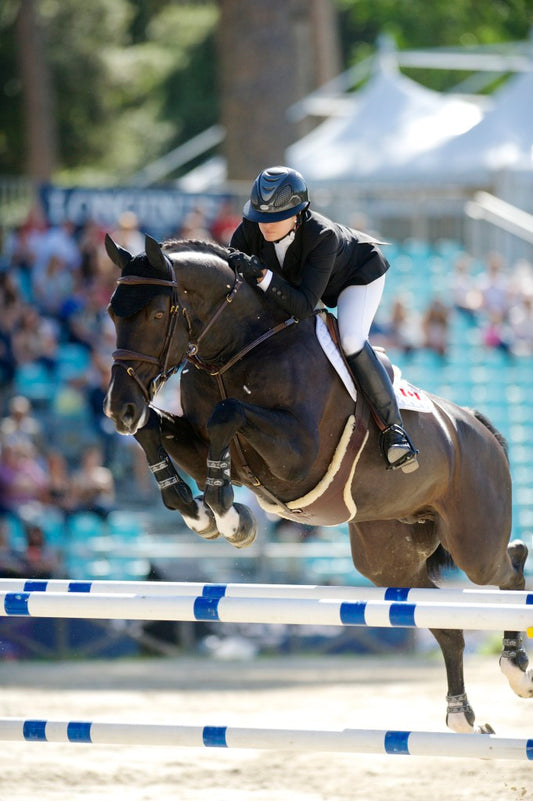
x,y
277,194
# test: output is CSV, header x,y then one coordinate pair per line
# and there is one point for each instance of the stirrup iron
x,y
407,453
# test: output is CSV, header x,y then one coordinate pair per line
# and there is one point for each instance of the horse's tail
x,y
493,430
440,560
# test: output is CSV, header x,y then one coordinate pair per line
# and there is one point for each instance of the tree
x,y
39,118
270,55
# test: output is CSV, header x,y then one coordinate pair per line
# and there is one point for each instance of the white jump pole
x,y
400,743
305,591
325,612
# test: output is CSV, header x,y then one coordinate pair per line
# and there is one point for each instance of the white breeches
x,y
356,308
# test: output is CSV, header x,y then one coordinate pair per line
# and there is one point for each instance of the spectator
x,y
59,482
496,332
435,327
92,252
521,325
194,226
11,565
93,485
52,285
495,288
38,560
20,425
35,338
404,326
467,298
23,477
128,234
224,225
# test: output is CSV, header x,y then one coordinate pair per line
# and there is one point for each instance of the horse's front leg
x,y
287,448
175,493
234,520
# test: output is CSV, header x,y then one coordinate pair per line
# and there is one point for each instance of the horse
x,y
264,407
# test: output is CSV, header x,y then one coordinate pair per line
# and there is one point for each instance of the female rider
x,y
298,258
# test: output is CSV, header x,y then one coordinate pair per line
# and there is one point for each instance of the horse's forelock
x,y
128,300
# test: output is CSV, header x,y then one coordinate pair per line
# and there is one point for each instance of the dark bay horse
x,y
263,407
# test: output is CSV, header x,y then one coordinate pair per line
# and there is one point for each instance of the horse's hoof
x,y
247,531
209,533
517,551
520,681
210,530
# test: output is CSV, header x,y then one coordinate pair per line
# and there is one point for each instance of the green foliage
x,y
417,24
134,78
131,78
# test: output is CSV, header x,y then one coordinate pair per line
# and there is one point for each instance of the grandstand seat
x,y
125,525
35,382
72,360
85,526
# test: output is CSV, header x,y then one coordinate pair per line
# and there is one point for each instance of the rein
x,y
122,355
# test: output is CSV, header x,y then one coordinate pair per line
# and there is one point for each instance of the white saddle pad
x,y
407,395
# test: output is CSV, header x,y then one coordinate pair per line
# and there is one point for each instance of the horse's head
x,y
151,334
168,305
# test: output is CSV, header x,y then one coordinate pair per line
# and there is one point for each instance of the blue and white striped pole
x,y
304,591
398,743
319,612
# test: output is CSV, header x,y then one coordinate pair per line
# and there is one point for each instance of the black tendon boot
x,y
374,382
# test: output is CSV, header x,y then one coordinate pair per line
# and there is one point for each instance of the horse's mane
x,y
196,245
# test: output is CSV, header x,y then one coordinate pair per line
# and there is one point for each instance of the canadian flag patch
x,y
410,397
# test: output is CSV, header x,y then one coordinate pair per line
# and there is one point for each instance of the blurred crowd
x,y
496,300
57,449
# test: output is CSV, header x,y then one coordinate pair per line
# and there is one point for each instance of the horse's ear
x,y
118,255
155,255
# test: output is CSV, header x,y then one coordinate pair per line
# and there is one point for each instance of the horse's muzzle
x,y
127,415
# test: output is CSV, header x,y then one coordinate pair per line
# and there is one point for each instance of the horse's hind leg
x,y
395,554
514,659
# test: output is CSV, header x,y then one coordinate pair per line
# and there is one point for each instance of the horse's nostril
x,y
128,413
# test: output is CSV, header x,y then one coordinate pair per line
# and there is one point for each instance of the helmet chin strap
x,y
292,231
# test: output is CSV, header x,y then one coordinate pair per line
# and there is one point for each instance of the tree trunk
x,y
270,55
36,84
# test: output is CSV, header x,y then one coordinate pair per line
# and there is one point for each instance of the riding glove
x,y
249,267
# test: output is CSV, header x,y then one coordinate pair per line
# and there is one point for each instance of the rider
x,y
298,258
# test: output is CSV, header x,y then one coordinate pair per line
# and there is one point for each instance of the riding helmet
x,y
277,194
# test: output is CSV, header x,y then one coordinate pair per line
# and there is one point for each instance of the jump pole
x,y
358,741
293,611
304,591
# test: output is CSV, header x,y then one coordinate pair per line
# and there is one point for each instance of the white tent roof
x,y
391,121
502,140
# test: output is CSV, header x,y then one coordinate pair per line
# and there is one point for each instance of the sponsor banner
x,y
160,211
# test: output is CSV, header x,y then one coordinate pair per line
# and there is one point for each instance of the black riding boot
x,y
375,383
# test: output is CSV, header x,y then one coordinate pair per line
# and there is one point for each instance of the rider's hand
x,y
249,267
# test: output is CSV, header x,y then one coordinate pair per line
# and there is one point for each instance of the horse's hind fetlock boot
x,y
373,380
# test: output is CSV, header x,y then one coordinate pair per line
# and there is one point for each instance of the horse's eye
x,y
158,315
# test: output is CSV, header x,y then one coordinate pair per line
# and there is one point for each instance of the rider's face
x,y
272,231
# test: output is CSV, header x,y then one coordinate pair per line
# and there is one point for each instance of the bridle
x,y
122,356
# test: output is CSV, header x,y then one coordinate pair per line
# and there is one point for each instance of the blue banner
x,y
160,211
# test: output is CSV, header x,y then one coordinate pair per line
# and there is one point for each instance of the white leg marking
x,y
521,682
